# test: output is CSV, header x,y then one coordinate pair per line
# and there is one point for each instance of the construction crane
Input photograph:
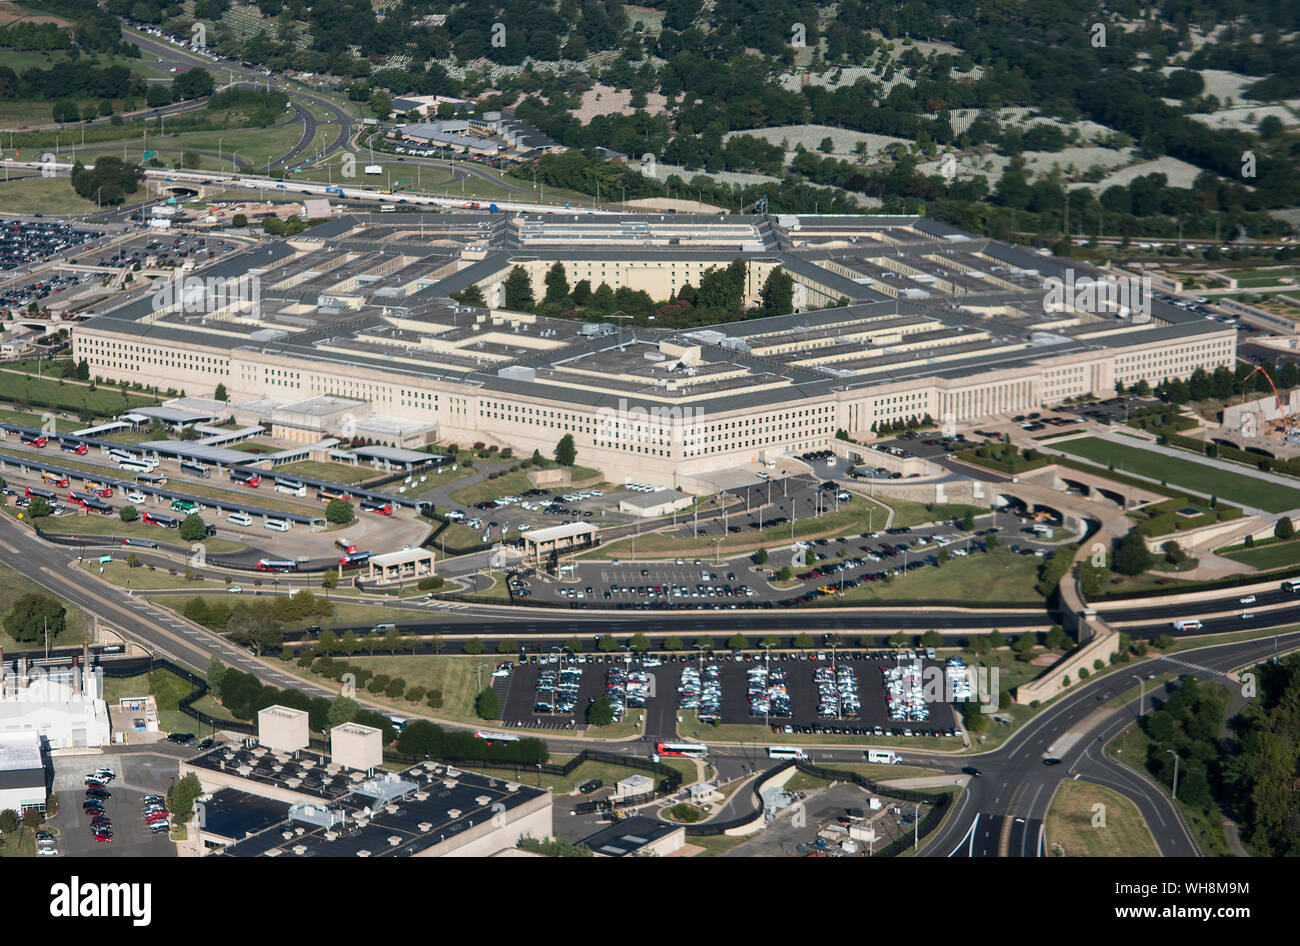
x,y
1288,421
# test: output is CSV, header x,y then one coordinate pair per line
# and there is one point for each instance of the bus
x,y
54,479
786,752
290,489
185,506
1291,585
354,558
383,508
327,493
137,466
143,543
120,455
195,469
345,545
97,505
156,519
251,480
387,208
103,490
491,737
276,565
80,449
42,493
35,441
79,498
689,750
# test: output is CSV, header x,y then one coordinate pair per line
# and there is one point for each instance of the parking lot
x,y
32,241
851,692
138,773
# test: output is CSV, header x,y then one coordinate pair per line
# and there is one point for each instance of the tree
x,y
606,643
83,370
760,557
1132,557
216,670
1174,553
392,640
639,643
182,796
339,511
220,393
470,295
329,581
32,616
803,641
565,452
557,285
1285,528
381,103
704,643
9,821
255,627
898,639
128,514
1024,646
239,221
931,638
600,712
573,644
507,645
738,642
778,293
968,523
473,646
39,508
519,290
193,528
673,644
996,639
196,610
342,710
990,542
770,641
1056,638
784,573
487,704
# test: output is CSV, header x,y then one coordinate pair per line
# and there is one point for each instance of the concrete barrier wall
x,y
1103,645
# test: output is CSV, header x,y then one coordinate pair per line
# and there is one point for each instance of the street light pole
x,y
1141,693
1174,793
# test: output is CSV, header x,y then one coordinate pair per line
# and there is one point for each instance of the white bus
x,y
689,750
120,455
277,525
136,466
290,489
786,752
1187,624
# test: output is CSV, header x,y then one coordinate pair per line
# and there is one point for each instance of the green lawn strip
x,y
508,485
980,577
1264,557
97,525
69,396
564,784
21,843
144,578
1239,487
1071,823
168,690
334,472
909,513
14,586
345,613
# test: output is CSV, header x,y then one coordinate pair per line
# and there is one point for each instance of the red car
x,y
104,838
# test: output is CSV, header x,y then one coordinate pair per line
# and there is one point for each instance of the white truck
x,y
1187,624
883,756
374,169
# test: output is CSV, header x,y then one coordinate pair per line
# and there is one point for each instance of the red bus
x,y
383,508
491,737
690,750
42,493
251,480
35,441
354,558
276,565
78,448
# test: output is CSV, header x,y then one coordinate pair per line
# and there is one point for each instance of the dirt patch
x,y
9,13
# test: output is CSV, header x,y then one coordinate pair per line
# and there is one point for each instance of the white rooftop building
x,y
62,705
22,772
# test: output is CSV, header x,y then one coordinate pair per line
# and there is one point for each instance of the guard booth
x,y
571,537
394,568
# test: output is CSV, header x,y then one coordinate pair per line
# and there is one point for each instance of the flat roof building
x,y
22,772
637,836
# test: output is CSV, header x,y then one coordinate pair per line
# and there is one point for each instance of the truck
x,y
883,756
336,191
493,208
374,169
1187,624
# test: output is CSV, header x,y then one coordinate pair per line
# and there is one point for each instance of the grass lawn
x,y
345,614
112,525
1265,557
1071,824
909,513
334,472
715,845
142,578
456,677
12,587
21,843
168,690
51,196
801,781
17,388
511,484
980,577
1235,486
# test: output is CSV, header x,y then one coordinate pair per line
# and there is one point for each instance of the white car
x,y
234,590
136,497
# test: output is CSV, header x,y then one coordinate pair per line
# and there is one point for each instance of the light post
x,y
219,141
1174,793
1142,687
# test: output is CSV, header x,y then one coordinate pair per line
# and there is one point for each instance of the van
x,y
382,628
883,756
1187,624
240,519
277,525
